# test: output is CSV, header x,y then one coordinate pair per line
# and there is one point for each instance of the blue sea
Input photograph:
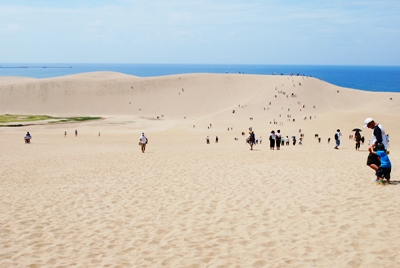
x,y
370,78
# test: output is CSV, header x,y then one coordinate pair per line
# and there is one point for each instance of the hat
x,y
367,121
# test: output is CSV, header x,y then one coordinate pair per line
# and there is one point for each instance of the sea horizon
x,y
381,78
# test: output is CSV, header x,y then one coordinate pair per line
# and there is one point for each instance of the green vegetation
x,y
75,119
18,118
15,118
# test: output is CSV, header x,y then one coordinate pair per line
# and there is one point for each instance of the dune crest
x,y
108,93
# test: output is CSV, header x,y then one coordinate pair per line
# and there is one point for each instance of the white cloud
x,y
10,28
94,27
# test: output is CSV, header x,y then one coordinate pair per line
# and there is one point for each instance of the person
x,y
378,136
143,140
287,140
272,138
329,140
294,140
99,134
357,138
251,139
385,167
278,137
208,140
65,134
260,139
337,139
28,137
216,139
76,133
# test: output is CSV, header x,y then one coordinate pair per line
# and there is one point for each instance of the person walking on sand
x,y
278,138
357,138
143,140
65,134
252,138
272,138
76,133
378,136
337,139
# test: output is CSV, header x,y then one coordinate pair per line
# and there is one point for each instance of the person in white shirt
x,y
143,141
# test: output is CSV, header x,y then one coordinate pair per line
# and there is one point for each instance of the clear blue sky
x,y
336,32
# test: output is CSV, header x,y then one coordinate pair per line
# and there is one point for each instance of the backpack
x,y
336,136
252,137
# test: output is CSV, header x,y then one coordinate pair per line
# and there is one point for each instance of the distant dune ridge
x,y
110,93
97,201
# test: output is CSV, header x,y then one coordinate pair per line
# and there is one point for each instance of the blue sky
x,y
335,32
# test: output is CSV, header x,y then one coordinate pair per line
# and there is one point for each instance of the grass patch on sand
x,y
76,119
18,118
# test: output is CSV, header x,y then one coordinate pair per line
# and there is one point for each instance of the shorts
x,y
337,142
272,143
383,173
373,159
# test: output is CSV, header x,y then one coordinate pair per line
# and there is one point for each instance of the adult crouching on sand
x,y
143,141
28,137
378,136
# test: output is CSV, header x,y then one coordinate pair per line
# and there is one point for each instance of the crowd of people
x,y
378,159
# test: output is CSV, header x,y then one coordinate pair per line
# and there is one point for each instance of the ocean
x,y
369,78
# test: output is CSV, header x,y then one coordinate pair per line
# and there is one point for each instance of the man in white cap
x,y
378,136
143,141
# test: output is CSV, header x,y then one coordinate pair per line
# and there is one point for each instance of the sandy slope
x,y
92,201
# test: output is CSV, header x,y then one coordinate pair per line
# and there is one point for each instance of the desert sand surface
x,y
98,201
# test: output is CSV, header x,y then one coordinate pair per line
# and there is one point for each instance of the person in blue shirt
x,y
385,167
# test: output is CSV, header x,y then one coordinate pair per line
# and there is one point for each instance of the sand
x,y
92,201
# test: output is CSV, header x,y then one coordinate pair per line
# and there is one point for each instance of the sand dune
x,y
92,201
117,94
